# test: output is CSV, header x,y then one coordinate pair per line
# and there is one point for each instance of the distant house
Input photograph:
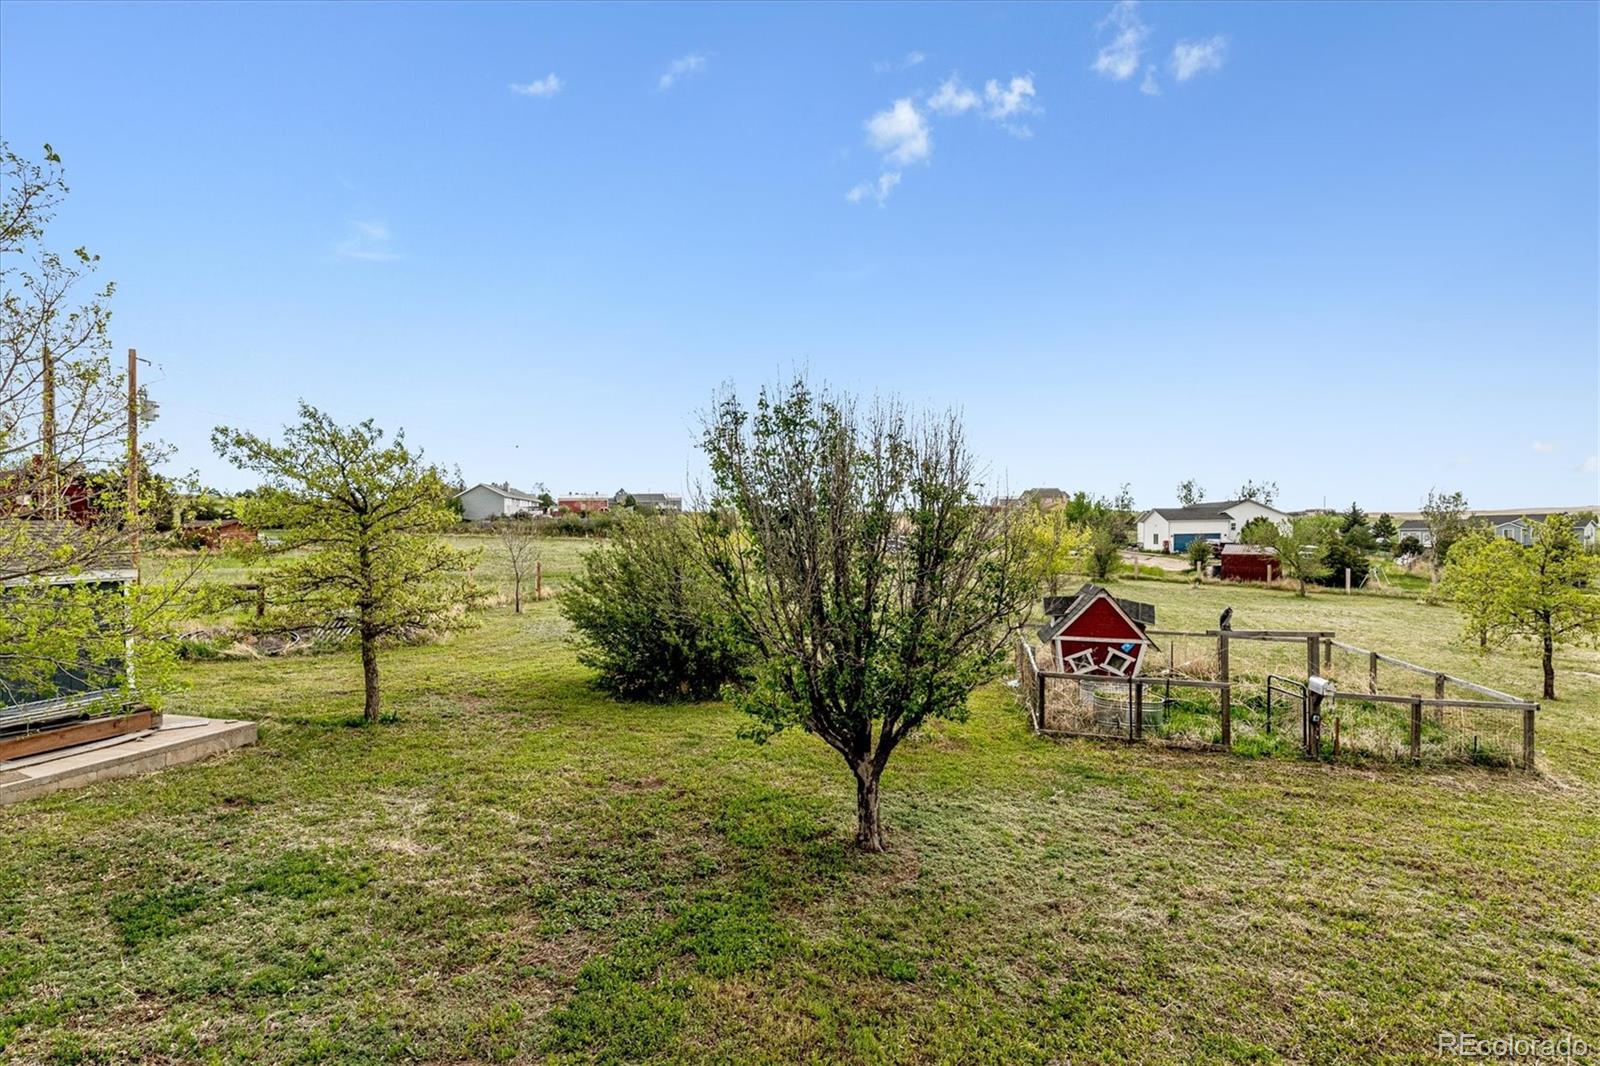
x,y
215,532
1046,497
1249,562
1094,632
1415,527
584,503
1170,529
1519,527
485,501
1512,525
668,502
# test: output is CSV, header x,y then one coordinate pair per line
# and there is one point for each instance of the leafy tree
x,y
1384,530
1055,544
853,550
1104,555
1446,515
1264,493
1409,545
1478,564
1190,493
547,502
1199,553
358,523
1543,592
63,445
1260,530
649,618
1347,551
1303,548
1353,519
520,546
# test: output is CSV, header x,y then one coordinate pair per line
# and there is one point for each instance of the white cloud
x,y
1007,100
548,85
1543,447
905,62
679,68
1118,59
876,191
900,133
370,241
953,98
1197,57
1150,86
1590,465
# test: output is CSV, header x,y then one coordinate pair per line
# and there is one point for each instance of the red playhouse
x,y
1249,562
1094,632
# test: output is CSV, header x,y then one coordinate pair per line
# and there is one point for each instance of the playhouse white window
x,y
1119,662
1081,662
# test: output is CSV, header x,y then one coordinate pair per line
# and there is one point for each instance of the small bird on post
x,y
1225,623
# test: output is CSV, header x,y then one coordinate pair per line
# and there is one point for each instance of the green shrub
x,y
647,616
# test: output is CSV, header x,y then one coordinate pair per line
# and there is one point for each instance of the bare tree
x,y
521,547
1446,516
855,556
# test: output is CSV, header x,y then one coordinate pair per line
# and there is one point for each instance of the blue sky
x,y
1349,248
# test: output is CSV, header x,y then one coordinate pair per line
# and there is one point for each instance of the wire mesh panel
x,y
1181,715
1090,708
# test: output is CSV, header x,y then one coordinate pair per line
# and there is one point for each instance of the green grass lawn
x,y
519,869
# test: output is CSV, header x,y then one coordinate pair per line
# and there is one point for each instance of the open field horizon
x,y
518,868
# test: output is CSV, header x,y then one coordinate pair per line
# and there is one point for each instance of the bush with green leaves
x,y
647,616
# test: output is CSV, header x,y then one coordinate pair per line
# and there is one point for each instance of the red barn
x,y
584,504
1094,632
1249,562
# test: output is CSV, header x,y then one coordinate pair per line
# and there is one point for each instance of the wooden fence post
x,y
1372,672
1039,713
1225,694
261,599
1138,710
1438,694
1347,581
538,579
1416,728
1327,652
1527,736
1311,657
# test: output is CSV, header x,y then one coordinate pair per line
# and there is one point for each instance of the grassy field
x,y
518,869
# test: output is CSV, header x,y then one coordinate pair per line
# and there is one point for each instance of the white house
x,y
1170,529
483,501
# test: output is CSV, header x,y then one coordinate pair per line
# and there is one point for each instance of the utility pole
x,y
133,456
47,431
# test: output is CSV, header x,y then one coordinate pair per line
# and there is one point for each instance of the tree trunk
x,y
369,673
1549,667
516,595
869,830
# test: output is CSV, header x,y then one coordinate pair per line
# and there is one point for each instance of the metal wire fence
x,y
1282,693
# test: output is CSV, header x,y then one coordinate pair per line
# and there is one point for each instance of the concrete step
x,y
180,739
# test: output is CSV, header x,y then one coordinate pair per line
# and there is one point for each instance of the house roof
x,y
502,490
1249,549
1197,511
62,553
1064,610
1412,525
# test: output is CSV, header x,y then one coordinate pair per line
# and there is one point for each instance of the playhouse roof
x,y
1064,610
